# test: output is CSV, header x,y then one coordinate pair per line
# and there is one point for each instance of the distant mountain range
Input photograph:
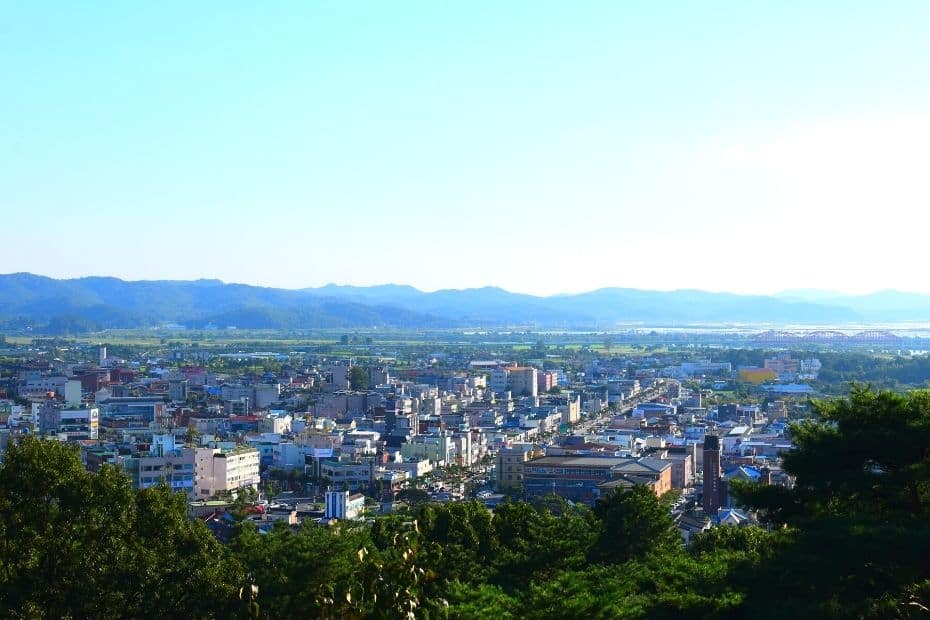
x,y
94,303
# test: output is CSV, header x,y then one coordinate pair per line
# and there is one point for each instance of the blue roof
x,y
746,470
739,515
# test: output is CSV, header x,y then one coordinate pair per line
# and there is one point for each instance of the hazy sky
x,y
542,147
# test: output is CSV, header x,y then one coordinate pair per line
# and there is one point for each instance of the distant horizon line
x,y
785,293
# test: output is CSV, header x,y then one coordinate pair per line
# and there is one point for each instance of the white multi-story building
x,y
289,455
225,469
37,386
275,422
809,369
342,505
438,448
519,380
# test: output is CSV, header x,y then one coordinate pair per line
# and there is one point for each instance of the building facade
x,y
342,505
222,470
712,498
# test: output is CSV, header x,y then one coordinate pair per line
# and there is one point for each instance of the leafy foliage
x,y
849,540
632,523
857,515
358,378
79,545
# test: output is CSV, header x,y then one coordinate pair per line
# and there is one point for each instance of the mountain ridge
x,y
98,302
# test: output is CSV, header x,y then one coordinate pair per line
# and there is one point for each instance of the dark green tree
x,y
298,572
413,496
79,545
457,540
856,517
358,378
537,543
632,523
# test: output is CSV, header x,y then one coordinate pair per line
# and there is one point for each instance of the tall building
x,y
177,390
73,393
523,381
225,470
499,379
713,476
519,380
546,380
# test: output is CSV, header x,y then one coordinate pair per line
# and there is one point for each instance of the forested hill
x,y
71,306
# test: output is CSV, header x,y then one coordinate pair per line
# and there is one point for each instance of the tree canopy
x,y
79,545
358,378
849,540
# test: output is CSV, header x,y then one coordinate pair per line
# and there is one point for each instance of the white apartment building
x,y
519,380
277,422
225,469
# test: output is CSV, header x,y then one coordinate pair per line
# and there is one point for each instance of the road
x,y
625,407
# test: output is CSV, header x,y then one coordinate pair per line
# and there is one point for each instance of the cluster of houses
x,y
339,431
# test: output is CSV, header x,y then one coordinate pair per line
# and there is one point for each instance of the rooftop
x,y
645,465
578,461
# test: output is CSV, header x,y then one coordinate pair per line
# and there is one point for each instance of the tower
x,y
713,480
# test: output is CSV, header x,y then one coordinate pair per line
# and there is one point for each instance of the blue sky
x,y
542,147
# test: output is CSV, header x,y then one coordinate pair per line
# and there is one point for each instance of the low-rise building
x,y
131,413
278,422
656,470
346,475
585,478
414,468
570,477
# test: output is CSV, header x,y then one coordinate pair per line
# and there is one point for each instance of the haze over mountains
x,y
93,303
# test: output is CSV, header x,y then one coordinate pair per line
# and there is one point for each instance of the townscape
x,y
464,311
305,440
327,437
